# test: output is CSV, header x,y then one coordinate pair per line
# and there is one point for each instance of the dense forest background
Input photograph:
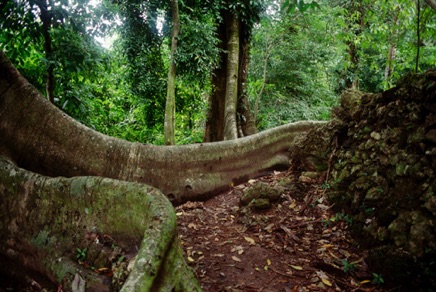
x,y
106,63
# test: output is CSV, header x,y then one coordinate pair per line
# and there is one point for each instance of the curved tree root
x,y
39,137
44,221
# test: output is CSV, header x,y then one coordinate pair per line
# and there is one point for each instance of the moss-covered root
x,y
159,265
171,276
45,221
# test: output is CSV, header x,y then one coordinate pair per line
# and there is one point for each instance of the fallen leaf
x,y
292,205
236,259
269,227
249,240
101,270
327,245
298,268
192,226
322,275
322,206
268,262
239,249
191,259
251,181
326,281
365,282
179,213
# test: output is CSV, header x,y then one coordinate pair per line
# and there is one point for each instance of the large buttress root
x,y
43,222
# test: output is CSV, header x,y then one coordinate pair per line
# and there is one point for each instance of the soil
x,y
298,244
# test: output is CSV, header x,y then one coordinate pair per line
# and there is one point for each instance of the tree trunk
x,y
39,137
46,19
170,108
229,114
231,97
245,118
418,34
259,94
391,50
431,3
352,73
49,219
215,115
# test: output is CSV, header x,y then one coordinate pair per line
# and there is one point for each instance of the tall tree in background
x,y
46,17
170,107
229,78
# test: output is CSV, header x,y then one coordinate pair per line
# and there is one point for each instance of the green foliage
x,y
300,61
373,28
291,5
81,254
197,53
348,267
297,61
377,279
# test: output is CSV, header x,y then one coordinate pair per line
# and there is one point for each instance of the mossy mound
x,y
383,175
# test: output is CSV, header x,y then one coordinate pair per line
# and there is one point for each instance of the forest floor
x,y
298,244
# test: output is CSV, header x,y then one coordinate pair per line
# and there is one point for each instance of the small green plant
x,y
81,254
368,210
377,279
344,217
327,222
348,267
120,259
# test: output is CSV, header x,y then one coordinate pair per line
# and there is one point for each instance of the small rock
x,y
376,136
262,204
431,136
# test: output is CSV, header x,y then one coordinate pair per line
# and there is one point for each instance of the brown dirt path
x,y
296,245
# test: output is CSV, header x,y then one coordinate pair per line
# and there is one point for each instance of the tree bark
x,y
228,116
358,25
170,107
46,19
245,117
231,97
431,3
215,115
48,219
39,137
392,50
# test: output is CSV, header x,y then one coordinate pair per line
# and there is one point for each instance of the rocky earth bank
x,y
379,157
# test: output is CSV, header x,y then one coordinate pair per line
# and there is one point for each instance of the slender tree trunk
x,y
259,94
390,63
231,97
392,49
46,19
170,108
418,34
352,74
245,117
